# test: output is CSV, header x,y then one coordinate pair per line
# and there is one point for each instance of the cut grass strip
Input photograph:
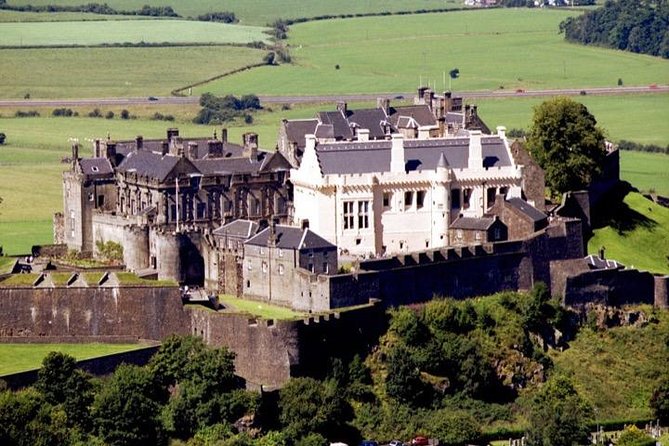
x,y
260,309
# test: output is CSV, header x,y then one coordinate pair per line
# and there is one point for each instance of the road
x,y
175,100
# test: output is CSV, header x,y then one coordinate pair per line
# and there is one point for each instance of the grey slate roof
x,y
150,164
297,128
530,211
473,224
368,118
421,113
291,237
228,165
239,229
156,145
96,167
419,154
341,128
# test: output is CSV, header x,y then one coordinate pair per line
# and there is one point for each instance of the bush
x,y
223,17
125,114
95,113
111,251
109,115
63,112
26,114
160,117
3,137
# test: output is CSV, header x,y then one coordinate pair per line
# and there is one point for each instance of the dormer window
x,y
95,169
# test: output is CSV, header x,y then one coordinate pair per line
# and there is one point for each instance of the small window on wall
x,y
264,267
326,267
466,196
348,215
420,199
363,214
492,192
249,265
455,199
408,199
387,199
281,270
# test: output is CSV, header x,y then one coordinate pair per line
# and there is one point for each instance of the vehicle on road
x,y
152,98
395,443
368,443
420,441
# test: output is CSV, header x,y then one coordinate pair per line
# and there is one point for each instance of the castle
x,y
422,200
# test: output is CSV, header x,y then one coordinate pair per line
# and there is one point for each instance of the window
x,y
491,193
326,267
101,200
363,214
387,198
455,199
458,234
348,215
264,267
420,199
478,235
249,265
497,234
91,197
281,270
201,210
173,212
408,199
280,252
72,223
310,267
466,196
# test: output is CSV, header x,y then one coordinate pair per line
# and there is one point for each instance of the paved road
x,y
174,100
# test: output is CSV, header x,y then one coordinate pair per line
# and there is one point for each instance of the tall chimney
x,y
192,150
397,163
383,104
215,148
165,148
110,152
224,135
342,107
501,131
172,132
251,144
139,142
75,153
475,150
96,149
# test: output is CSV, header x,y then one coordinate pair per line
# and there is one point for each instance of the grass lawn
x,y
102,72
508,47
21,357
24,16
132,279
261,12
121,31
616,370
637,235
646,171
260,309
6,263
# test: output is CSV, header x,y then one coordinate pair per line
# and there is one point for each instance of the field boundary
x,y
253,45
179,91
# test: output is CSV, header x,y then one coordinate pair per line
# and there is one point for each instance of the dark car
x,y
368,443
153,98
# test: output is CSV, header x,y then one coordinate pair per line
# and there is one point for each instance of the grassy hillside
x,y
617,369
634,232
121,31
501,48
261,12
646,171
100,72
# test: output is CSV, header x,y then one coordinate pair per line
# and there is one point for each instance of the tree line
x,y
639,26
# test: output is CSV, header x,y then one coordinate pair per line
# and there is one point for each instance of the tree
x,y
633,436
403,381
567,143
659,401
558,416
126,411
454,428
3,137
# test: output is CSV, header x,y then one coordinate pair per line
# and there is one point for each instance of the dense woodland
x,y
639,26
460,371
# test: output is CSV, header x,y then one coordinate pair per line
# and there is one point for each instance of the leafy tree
x,y
454,428
659,401
408,326
3,137
125,114
312,439
567,143
62,383
558,416
633,436
126,410
403,381
310,406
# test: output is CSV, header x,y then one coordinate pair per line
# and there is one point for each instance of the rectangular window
x,y
281,270
387,198
101,200
455,199
363,214
280,252
466,196
264,267
310,267
408,199
497,234
491,193
478,235
326,267
420,199
249,265
173,212
348,215
201,210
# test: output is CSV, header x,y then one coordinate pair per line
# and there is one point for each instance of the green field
x,y
261,12
121,31
20,357
636,234
509,48
21,16
100,72
646,171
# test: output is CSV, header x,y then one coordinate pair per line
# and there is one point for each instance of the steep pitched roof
x,y
527,209
473,224
420,113
340,125
291,237
297,128
239,228
420,154
154,165
368,118
96,167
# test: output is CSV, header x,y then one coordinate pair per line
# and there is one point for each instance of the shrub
x,y
2,141
26,114
62,112
95,113
109,115
223,17
125,114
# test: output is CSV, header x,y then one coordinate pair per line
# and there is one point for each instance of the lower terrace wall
x,y
138,312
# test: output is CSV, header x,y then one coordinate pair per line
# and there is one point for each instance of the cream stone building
x,y
400,195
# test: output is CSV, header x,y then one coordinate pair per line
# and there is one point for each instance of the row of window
x,y
356,212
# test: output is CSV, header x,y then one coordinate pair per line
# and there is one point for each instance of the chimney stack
x,y
192,150
215,148
475,150
139,142
172,132
501,131
75,153
110,152
251,144
397,163
342,107
363,135
224,135
97,153
383,104
165,148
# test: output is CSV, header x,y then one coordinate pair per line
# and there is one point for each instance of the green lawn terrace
x,y
78,33
57,279
509,48
261,12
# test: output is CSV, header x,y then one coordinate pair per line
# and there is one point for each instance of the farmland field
x,y
121,31
99,72
20,357
22,16
261,12
493,49
646,171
